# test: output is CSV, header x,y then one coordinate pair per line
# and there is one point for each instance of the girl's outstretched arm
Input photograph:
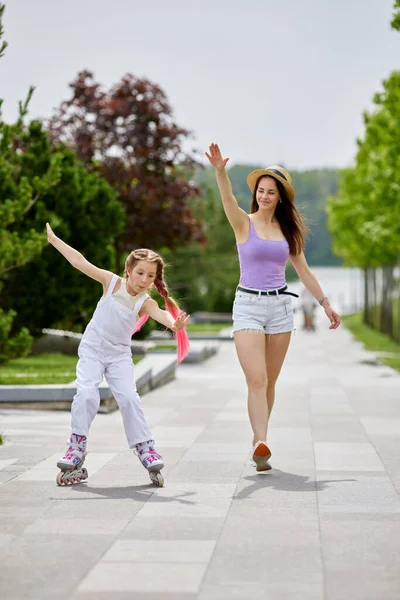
x,y
151,308
77,259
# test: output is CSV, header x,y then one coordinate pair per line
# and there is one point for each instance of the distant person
x,y
266,239
308,307
105,351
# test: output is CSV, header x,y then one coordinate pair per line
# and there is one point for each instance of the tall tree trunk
x,y
366,296
375,302
398,304
371,307
387,300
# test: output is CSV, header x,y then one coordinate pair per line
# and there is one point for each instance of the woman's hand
x,y
333,317
50,234
180,322
215,157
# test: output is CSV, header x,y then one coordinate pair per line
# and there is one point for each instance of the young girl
x,y
105,351
267,238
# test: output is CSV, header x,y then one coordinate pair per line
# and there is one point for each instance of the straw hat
x,y
276,172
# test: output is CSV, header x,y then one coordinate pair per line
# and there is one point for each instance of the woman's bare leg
x,y
250,348
276,346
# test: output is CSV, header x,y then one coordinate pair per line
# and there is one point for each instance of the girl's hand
x,y
333,317
180,322
215,157
50,233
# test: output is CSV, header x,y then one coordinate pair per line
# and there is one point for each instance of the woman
x,y
266,239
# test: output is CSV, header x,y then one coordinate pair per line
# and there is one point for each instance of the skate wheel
x,y
60,478
85,474
157,479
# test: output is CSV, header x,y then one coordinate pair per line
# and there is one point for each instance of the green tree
x,y
363,217
40,183
87,215
396,15
19,193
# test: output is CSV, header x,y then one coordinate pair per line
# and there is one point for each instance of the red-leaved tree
x,y
128,134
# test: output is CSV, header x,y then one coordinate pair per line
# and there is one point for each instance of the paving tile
x,y
8,462
31,566
164,551
176,436
223,451
359,493
239,564
206,471
76,526
369,572
381,425
282,590
279,435
352,456
138,596
140,577
180,527
181,499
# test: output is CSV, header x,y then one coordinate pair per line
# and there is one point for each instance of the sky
x,y
272,82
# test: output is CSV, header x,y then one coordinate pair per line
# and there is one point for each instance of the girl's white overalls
x,y
105,351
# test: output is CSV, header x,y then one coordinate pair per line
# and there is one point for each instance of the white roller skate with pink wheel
x,y
72,461
151,460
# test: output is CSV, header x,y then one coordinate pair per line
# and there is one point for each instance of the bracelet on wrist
x,y
322,299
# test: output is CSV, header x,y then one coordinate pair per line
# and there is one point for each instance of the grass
x,y
41,369
1,440
393,362
163,348
206,327
38,369
373,340
376,313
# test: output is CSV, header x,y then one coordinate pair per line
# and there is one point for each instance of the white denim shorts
x,y
268,314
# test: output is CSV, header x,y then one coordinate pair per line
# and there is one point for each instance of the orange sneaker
x,y
261,455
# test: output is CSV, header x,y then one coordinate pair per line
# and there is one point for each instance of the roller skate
x,y
261,456
72,461
151,460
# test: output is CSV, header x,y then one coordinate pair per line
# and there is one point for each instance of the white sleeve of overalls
x,y
113,281
140,303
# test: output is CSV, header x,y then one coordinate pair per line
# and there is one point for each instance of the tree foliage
x,y
363,217
396,15
128,135
86,214
39,182
204,276
20,190
19,193
3,44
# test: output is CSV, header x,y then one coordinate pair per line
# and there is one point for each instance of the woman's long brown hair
x,y
289,218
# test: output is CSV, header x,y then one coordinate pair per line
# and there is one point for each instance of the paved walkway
x,y
323,525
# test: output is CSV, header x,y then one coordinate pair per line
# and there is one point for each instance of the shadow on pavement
x,y
283,481
138,493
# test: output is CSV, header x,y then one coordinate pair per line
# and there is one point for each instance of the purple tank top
x,y
262,262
